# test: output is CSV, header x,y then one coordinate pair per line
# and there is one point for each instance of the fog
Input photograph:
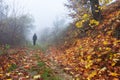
x,y
44,13
47,18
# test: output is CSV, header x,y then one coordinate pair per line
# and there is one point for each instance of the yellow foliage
x,y
115,78
105,1
105,43
81,60
113,63
1,75
8,79
80,47
8,74
85,17
100,48
102,70
67,69
36,76
109,32
96,10
99,59
116,42
108,49
72,73
79,24
93,22
114,74
111,56
89,63
89,57
76,68
27,76
92,75
77,78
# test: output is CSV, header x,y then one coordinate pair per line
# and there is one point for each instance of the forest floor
x,y
90,58
28,64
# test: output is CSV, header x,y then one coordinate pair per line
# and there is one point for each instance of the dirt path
x,y
59,71
32,65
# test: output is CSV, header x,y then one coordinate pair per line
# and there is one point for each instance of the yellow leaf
x,y
77,78
105,43
92,75
85,17
114,74
8,74
20,73
113,63
109,32
108,49
115,60
81,60
80,47
8,79
89,63
89,57
79,24
77,75
115,78
27,76
102,70
98,60
111,56
36,76
98,36
99,7
9,65
116,42
76,68
67,69
72,73
1,75
100,48
96,10
96,5
93,22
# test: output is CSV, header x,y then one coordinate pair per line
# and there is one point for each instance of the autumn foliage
x,y
93,57
24,64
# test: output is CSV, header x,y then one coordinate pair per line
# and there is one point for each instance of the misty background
x,y
44,12
48,19
20,19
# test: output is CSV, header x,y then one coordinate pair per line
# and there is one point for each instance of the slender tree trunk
x,y
95,10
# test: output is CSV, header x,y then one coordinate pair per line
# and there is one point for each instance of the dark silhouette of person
x,y
34,39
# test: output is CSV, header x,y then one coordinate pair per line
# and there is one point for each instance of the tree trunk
x,y
95,10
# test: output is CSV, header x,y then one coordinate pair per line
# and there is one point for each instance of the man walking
x,y
34,39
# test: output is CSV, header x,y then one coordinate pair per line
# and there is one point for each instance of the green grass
x,y
41,46
3,50
40,64
45,72
12,67
48,75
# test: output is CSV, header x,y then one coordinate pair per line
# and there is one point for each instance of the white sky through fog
x,y
44,12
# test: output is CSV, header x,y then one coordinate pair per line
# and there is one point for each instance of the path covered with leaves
x,y
27,64
95,57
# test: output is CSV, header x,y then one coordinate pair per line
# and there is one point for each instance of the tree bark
x,y
96,12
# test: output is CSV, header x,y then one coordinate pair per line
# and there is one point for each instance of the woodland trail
x,y
27,64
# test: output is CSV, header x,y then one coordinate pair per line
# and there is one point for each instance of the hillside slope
x,y
97,56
